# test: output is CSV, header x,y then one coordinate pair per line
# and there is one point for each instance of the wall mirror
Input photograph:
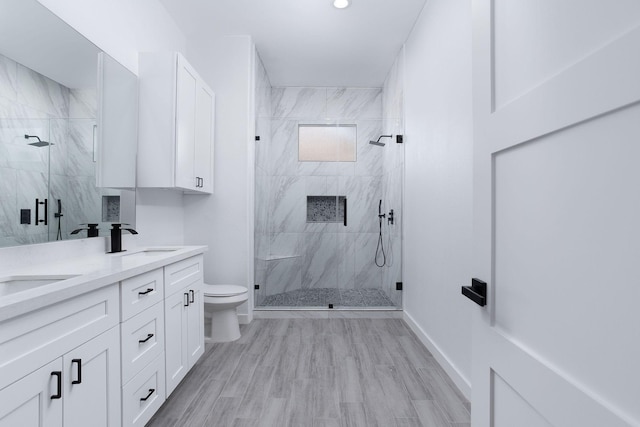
x,y
65,109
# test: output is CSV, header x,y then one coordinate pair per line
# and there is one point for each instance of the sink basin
x,y
14,284
148,253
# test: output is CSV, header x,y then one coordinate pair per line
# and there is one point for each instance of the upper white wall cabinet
x,y
176,111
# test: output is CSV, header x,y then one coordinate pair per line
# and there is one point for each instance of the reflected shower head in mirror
x,y
40,142
378,143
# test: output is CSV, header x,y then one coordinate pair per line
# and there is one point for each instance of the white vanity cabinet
x,y
74,347
142,346
28,402
184,318
108,355
176,122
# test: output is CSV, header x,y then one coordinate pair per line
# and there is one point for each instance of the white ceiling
x,y
308,42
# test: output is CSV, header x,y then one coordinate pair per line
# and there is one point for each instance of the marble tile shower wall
x,y
322,255
393,177
30,103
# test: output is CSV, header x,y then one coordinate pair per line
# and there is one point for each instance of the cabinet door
x,y
92,382
195,322
185,125
175,327
28,403
204,138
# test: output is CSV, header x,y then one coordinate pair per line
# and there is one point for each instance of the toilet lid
x,y
223,290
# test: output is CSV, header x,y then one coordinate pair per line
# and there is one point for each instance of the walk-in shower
x,y
322,178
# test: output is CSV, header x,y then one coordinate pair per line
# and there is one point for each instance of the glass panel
x,y
327,143
316,211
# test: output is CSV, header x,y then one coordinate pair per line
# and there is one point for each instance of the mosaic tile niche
x,y
325,209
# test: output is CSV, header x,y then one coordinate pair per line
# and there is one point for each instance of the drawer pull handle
x,y
192,295
58,394
151,390
149,336
79,362
146,292
186,302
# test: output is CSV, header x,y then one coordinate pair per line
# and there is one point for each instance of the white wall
x,y
438,182
224,220
122,28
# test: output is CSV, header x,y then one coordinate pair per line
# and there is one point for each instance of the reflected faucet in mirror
x,y
92,230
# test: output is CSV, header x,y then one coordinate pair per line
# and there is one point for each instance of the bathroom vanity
x,y
101,340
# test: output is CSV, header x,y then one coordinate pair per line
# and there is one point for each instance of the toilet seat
x,y
223,290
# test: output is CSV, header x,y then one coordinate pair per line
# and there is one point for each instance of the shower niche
x,y
327,209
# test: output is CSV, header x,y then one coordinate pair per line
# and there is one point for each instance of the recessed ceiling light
x,y
341,4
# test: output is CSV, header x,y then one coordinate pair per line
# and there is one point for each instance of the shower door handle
x,y
345,212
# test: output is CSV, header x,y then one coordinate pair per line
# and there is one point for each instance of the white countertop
x,y
93,272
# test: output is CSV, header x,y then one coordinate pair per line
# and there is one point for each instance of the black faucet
x,y
116,237
92,231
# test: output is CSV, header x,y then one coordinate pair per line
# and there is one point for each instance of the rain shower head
x,y
378,143
40,142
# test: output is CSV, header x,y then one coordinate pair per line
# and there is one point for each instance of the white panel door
x,y
185,125
28,402
92,382
557,213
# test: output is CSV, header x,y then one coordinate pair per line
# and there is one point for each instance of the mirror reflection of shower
x,y
39,143
58,215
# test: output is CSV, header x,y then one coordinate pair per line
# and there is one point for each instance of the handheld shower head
x,y
40,142
378,143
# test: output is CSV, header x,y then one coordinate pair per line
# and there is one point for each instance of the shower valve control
x,y
390,218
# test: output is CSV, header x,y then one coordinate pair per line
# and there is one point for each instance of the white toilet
x,y
220,302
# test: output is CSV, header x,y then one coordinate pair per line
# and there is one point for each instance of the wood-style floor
x,y
317,373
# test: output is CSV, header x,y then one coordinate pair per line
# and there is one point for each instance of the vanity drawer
x,y
181,274
33,339
144,394
142,340
140,292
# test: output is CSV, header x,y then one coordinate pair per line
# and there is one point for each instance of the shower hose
x,y
380,247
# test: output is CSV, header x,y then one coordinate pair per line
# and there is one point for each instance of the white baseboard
x,y
458,379
244,319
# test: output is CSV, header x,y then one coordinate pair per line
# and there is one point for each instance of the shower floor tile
x,y
322,297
